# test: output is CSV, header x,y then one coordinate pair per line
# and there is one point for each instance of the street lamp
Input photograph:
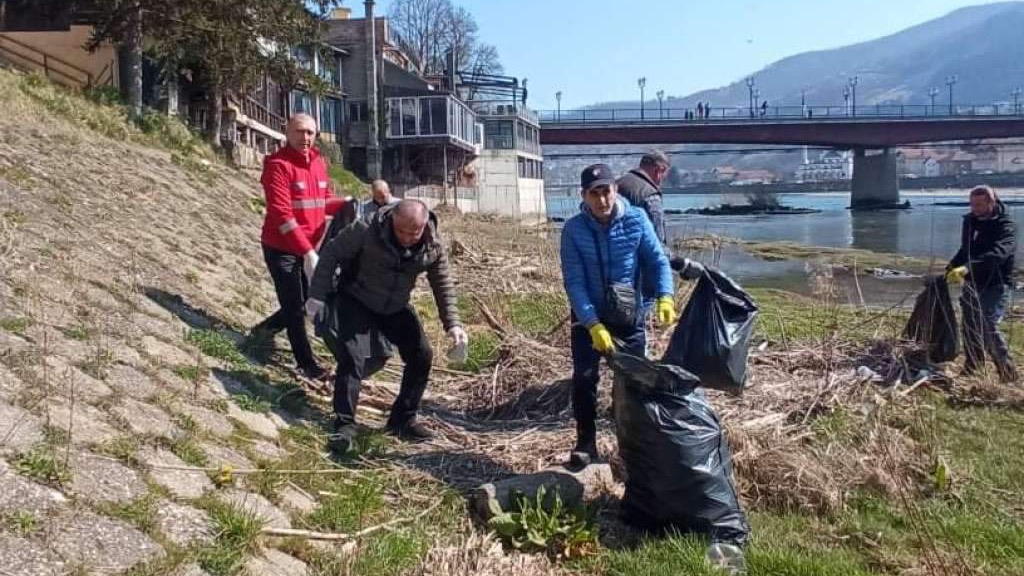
x,y
1016,99
950,81
642,83
932,93
803,102
661,98
558,99
853,95
750,90
846,99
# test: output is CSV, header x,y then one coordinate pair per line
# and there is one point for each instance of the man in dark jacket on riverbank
x,y
379,263
985,264
642,188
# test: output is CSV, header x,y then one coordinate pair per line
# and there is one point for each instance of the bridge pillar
x,y
875,179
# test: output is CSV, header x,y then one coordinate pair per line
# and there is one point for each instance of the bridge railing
x,y
775,113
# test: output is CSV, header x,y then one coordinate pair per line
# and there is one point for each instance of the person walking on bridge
x,y
984,263
379,263
603,249
298,202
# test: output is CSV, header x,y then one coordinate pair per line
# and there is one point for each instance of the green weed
x,y
237,533
44,465
216,345
22,522
545,524
15,324
252,403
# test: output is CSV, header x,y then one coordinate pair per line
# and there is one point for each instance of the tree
x,y
428,29
228,45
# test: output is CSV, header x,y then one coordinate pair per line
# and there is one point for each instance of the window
x,y
301,102
357,111
330,117
408,117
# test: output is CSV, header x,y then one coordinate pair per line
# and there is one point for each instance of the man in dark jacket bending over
x,y
379,263
985,264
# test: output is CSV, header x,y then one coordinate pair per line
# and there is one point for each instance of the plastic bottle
x,y
727,557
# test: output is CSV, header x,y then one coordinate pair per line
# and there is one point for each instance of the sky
x,y
594,50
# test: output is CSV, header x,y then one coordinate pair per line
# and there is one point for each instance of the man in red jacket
x,y
299,202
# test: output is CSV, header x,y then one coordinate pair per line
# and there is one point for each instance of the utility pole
x,y
558,99
932,93
853,95
1016,99
950,81
846,99
642,83
661,98
750,91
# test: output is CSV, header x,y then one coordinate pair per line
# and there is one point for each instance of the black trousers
x,y
404,331
291,285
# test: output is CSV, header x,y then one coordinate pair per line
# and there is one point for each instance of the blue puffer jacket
x,y
628,242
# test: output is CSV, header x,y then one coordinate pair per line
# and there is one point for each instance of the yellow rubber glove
x,y
601,338
665,309
956,275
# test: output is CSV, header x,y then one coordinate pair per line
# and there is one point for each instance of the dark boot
x,y
585,452
340,441
410,431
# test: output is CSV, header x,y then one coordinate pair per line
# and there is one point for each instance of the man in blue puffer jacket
x,y
603,247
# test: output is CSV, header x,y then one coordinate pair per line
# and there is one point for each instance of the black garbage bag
x,y
933,321
712,338
678,464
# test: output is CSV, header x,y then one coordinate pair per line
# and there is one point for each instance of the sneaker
x,y
411,431
340,441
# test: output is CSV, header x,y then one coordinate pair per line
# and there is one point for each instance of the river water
x,y
927,230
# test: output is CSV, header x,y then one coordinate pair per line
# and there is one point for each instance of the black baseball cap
x,y
596,175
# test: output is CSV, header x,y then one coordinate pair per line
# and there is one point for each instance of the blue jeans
x,y
585,374
982,312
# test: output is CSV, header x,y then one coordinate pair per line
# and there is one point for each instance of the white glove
x,y
309,262
460,345
314,307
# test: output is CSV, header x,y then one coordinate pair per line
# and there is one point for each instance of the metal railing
x,y
53,68
258,112
776,113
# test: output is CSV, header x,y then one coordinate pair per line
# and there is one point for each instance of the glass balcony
x,y
431,117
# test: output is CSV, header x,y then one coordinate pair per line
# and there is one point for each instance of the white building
x,y
830,165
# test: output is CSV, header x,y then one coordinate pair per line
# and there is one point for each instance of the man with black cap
x,y
603,249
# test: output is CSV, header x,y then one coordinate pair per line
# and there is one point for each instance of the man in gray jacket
x,y
642,187
379,263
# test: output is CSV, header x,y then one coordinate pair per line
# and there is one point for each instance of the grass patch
x,y
347,183
217,345
44,465
80,333
140,513
351,507
187,449
15,217
237,532
862,259
100,111
22,522
252,403
191,374
19,176
123,448
789,318
483,351
15,324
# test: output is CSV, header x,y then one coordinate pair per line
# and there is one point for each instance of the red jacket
x,y
298,200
